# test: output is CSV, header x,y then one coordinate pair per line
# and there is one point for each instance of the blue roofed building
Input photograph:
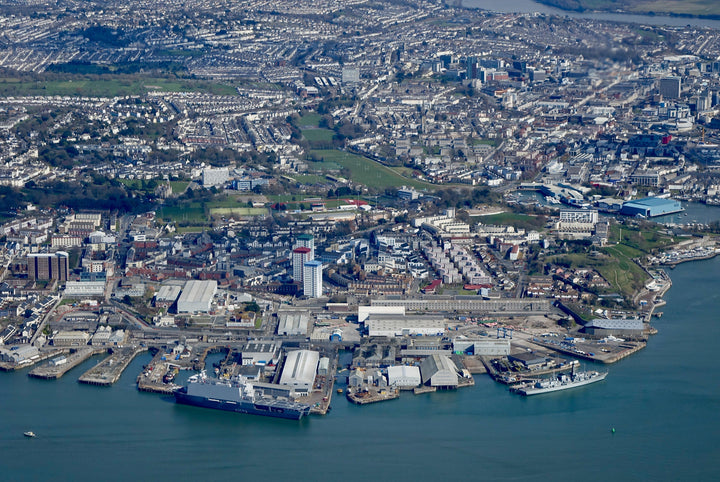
x,y
650,207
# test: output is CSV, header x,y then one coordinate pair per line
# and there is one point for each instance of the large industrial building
x,y
84,288
293,323
469,304
197,296
167,295
619,327
400,325
365,311
260,353
404,376
485,346
19,354
439,371
300,369
650,207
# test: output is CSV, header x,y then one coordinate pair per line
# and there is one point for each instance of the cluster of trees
x,y
100,193
465,197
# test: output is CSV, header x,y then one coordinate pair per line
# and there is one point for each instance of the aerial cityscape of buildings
x,y
440,191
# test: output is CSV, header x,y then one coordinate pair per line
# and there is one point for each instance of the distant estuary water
x,y
663,403
529,6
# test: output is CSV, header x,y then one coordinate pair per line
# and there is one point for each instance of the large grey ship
x,y
562,382
237,395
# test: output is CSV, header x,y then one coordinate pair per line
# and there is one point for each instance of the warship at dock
x,y
562,382
237,395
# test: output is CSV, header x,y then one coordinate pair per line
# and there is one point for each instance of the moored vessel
x,y
237,395
561,382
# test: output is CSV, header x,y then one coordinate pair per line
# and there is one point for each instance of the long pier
x,y
51,371
628,348
109,370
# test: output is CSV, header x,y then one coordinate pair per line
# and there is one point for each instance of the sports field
x,y
366,171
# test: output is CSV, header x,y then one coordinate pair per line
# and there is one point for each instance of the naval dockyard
x,y
312,351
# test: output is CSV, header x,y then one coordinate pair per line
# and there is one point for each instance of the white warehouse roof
x,y
404,376
196,296
167,293
400,325
300,368
292,323
439,370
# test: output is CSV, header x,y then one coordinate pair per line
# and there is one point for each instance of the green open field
x,y
107,87
191,213
644,238
318,135
310,119
615,261
681,7
520,221
368,172
625,277
178,187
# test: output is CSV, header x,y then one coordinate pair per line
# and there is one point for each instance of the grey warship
x,y
237,395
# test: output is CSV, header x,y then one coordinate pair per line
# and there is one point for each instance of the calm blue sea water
x,y
664,403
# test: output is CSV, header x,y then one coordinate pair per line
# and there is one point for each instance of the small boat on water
x,y
29,434
339,390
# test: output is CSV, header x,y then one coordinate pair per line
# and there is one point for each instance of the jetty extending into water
x,y
109,370
59,366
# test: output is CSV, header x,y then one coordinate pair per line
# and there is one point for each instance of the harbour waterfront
x,y
662,402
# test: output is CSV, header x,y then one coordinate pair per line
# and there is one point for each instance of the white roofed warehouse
x,y
293,323
439,371
300,369
403,325
404,376
197,296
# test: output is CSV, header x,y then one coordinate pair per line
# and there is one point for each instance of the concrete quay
x,y
617,353
151,378
424,389
320,401
109,370
51,371
521,376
